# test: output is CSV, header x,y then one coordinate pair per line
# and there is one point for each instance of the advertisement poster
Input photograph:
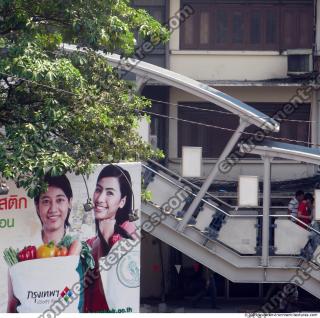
x,y
75,248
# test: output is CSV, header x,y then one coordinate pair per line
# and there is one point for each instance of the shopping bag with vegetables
x,y
43,275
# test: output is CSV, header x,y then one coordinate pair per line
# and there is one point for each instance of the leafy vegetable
x,y
85,254
86,257
11,256
66,241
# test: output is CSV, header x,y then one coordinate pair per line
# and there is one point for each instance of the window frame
x,y
275,9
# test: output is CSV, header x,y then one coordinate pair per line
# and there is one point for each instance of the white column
x,y
266,211
173,128
175,36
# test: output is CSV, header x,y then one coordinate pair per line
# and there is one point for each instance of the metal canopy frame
x,y
286,151
247,114
269,150
149,71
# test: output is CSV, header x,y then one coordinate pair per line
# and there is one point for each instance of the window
x,y
248,26
214,140
158,13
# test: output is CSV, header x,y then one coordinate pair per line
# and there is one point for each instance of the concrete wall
x,y
214,65
151,271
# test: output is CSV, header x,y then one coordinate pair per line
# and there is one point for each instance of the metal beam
x,y
232,142
248,113
140,83
266,211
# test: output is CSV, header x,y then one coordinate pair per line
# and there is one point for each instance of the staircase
x,y
225,239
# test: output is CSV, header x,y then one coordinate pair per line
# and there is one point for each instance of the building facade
x,y
264,53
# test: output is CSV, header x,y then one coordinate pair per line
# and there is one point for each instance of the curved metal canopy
x,y
150,71
283,150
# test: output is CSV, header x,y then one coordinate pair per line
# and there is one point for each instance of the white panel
x,y
167,194
317,204
248,190
204,217
239,234
143,129
289,237
191,161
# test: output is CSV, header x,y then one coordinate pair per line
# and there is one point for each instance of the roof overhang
x,y
203,91
283,150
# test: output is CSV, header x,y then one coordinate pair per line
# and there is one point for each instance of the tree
x,y
64,112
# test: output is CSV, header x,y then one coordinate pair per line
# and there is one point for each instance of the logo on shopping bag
x,y
128,271
66,294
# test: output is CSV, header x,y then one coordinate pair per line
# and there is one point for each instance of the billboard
x,y
75,248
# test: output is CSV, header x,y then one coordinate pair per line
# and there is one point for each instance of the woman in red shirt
x,y
113,201
305,209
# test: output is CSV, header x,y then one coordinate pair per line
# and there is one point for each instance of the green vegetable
x,y
66,241
10,256
86,257
85,254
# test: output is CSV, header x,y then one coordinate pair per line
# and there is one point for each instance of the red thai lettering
x,y
13,202
3,204
24,200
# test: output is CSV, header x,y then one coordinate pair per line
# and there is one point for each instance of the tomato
x,y
46,250
61,251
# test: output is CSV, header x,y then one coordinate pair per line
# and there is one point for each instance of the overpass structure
x,y
244,245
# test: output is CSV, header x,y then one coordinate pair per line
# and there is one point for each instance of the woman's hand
x,y
106,227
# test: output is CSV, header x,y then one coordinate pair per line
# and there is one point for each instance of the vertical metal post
x,y
266,211
195,203
314,118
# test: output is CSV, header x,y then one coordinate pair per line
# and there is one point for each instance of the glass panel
x,y
237,28
157,14
204,28
289,28
221,26
255,27
189,28
305,34
271,28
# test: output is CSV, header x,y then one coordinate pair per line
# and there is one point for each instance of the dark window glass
x,y
214,140
205,28
189,28
289,24
271,27
221,26
305,31
211,140
238,27
255,27
252,26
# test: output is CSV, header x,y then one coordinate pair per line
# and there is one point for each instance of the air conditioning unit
x,y
299,62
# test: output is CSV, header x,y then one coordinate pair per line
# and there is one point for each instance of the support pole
x,y
266,211
144,126
232,142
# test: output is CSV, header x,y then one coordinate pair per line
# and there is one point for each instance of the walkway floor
x,y
224,306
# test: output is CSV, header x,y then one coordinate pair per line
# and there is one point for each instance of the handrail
x,y
227,214
203,200
190,183
233,207
294,218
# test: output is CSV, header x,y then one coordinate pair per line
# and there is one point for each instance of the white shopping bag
x,y
40,283
121,283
